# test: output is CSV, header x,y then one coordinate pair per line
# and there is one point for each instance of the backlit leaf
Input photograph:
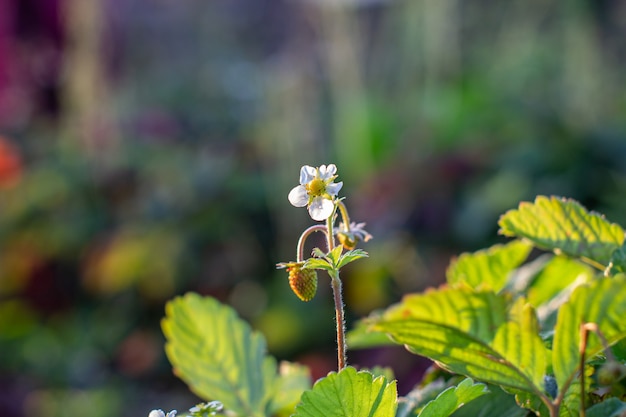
x,y
602,302
476,334
349,394
564,226
488,269
555,277
218,356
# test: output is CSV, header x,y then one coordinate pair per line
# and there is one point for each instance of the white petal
x,y
327,172
171,413
156,413
333,188
307,173
321,209
298,196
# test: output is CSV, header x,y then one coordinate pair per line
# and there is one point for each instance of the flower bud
x,y
347,240
303,282
350,236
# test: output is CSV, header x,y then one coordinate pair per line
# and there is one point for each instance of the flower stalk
x,y
319,194
340,320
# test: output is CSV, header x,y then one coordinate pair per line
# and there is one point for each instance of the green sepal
x,y
317,263
335,255
318,253
351,256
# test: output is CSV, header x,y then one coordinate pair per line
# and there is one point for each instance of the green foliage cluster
x,y
543,336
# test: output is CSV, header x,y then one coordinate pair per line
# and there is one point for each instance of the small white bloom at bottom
x,y
160,413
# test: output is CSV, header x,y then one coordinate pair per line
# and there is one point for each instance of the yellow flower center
x,y
316,187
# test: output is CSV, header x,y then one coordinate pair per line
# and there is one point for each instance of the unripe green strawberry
x,y
303,282
611,372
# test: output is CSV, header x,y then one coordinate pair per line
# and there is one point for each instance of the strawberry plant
x,y
534,326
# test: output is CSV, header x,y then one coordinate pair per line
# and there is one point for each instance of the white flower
x,y
316,191
160,413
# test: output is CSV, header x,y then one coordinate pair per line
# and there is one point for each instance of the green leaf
x,y
488,269
619,350
495,403
553,286
315,263
351,256
218,356
564,226
618,260
349,394
293,380
519,343
318,253
570,406
334,255
557,275
602,302
530,401
476,334
612,407
453,398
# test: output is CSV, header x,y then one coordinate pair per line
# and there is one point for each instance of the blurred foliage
x,y
161,163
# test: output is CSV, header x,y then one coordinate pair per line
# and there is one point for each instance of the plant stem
x,y
585,328
344,216
338,297
330,239
584,335
304,236
339,317
553,409
593,263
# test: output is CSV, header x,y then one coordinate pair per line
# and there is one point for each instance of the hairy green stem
x,y
337,293
339,316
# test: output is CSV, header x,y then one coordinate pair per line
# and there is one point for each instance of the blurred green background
x,y
147,149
